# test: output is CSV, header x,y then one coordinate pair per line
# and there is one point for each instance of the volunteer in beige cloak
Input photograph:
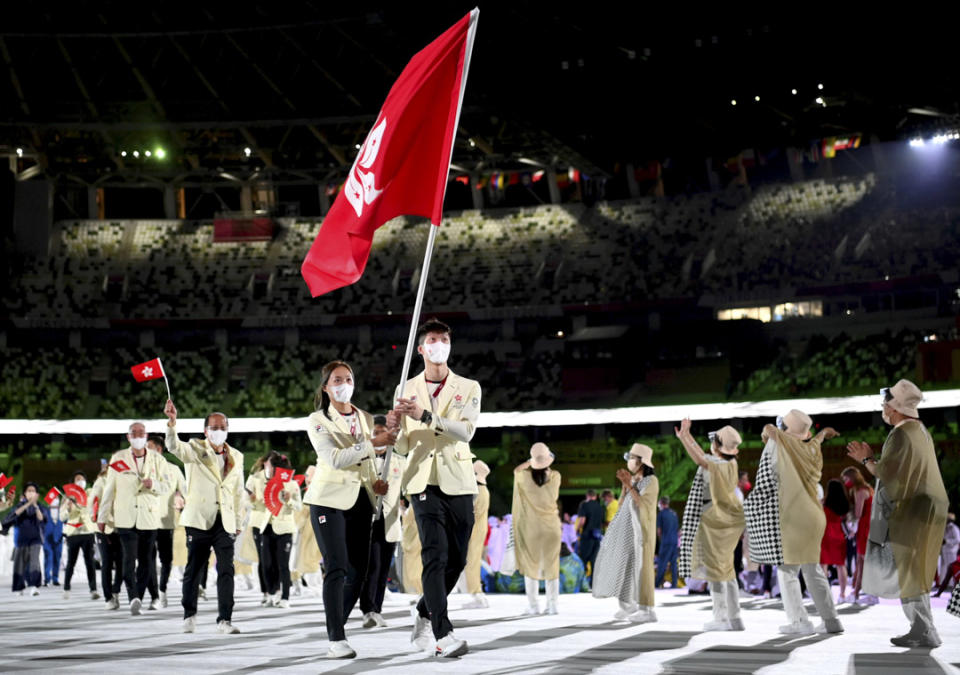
x,y
713,523
625,567
785,519
536,526
909,514
478,537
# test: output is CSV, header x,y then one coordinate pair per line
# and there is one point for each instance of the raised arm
x,y
183,451
690,444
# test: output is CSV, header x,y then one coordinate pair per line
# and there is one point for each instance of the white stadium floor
x,y
55,635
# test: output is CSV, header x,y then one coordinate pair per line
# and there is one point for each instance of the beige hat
x,y
796,423
728,439
643,452
904,398
481,470
540,456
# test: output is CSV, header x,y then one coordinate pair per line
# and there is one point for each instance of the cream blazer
x,y
284,522
442,446
344,464
176,482
391,501
95,495
77,519
256,482
126,499
208,491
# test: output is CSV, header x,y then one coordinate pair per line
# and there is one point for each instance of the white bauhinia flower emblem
x,y
361,188
147,371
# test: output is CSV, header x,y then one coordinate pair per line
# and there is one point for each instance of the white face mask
x,y
633,465
437,352
55,513
342,393
885,416
217,437
82,483
268,471
138,443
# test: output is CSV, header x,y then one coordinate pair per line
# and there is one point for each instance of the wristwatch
x,y
426,417
871,458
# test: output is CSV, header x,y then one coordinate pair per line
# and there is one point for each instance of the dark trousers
x,y
445,523
260,566
165,551
587,549
137,548
375,583
199,543
111,563
738,562
52,550
275,561
344,541
668,556
75,544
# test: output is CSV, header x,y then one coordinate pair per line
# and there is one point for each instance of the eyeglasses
x,y
781,424
628,456
712,435
887,396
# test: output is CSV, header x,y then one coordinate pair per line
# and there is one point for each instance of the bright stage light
x,y
916,143
136,153
123,153
147,153
756,98
247,151
733,102
793,91
160,153
19,152
820,86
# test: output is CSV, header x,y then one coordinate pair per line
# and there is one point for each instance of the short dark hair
x,y
158,440
380,419
206,421
76,473
432,326
606,493
591,493
665,501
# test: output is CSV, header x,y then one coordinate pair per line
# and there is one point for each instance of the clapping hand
x,y
625,478
858,450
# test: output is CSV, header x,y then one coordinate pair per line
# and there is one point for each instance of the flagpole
x,y
164,373
431,239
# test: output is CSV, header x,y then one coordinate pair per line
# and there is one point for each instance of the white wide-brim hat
x,y
904,397
643,452
540,456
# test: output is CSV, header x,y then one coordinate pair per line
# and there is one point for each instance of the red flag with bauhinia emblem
x,y
151,370
402,166
52,494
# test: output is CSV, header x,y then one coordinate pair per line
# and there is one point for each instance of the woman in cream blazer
x,y
342,496
276,532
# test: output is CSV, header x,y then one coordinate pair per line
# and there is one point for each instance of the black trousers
x,y
344,541
445,523
75,544
165,551
275,561
378,566
138,546
260,566
738,561
587,549
111,564
199,543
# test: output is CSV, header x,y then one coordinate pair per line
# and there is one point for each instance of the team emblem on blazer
x,y
322,519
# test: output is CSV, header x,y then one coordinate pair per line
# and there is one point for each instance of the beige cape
x,y
536,525
721,525
481,507
799,465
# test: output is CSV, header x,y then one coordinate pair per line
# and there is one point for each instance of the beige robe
x,y
648,526
910,475
412,562
308,552
179,544
481,508
802,522
536,525
721,525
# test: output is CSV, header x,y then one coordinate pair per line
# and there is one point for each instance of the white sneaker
x,y
227,628
737,624
154,605
479,601
532,610
135,605
274,600
94,595
551,608
798,628
622,614
282,604
830,626
190,624
912,641
265,601
202,592
34,591
66,595
248,582
643,616
422,636
717,625
113,603
340,649
163,599
381,623
368,620
450,646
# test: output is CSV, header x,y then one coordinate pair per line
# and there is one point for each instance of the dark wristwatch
x,y
426,417
871,458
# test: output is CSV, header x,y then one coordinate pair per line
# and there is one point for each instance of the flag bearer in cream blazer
x,y
169,506
132,498
210,516
342,496
276,533
437,413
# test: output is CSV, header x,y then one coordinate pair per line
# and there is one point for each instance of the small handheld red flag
x,y
150,370
4,480
282,476
51,495
75,492
120,466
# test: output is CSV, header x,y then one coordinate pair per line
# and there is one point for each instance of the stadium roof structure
x,y
290,89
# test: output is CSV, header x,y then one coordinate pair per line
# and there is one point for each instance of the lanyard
x,y
443,382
